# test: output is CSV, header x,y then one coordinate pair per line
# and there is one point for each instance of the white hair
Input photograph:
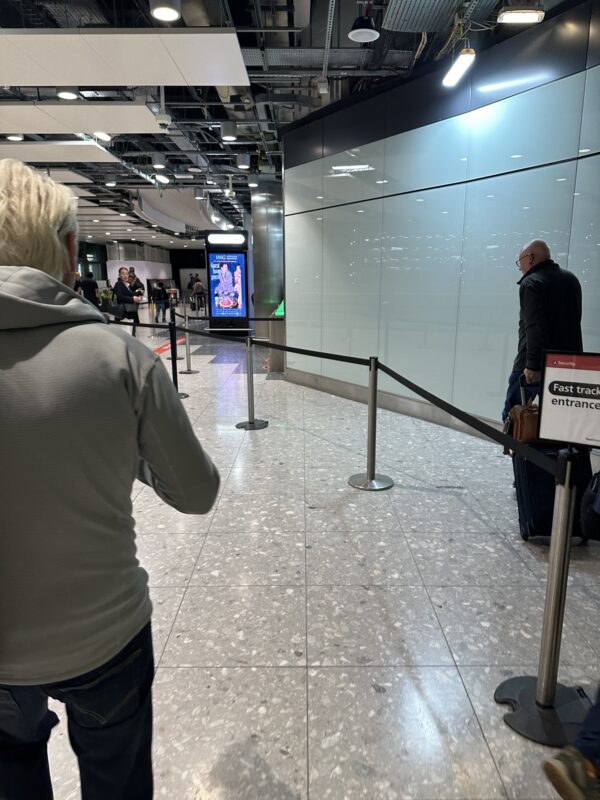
x,y
36,213
538,248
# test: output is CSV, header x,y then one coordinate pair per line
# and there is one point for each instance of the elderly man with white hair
x,y
74,604
549,318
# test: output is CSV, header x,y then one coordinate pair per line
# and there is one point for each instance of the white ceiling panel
x,y
68,176
130,57
27,118
219,64
83,117
56,152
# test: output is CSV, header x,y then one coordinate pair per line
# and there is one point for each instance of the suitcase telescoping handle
x,y
524,385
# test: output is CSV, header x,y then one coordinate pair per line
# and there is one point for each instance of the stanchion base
x,y
257,425
556,726
378,483
182,395
188,371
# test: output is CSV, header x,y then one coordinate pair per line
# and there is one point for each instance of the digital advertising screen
x,y
227,277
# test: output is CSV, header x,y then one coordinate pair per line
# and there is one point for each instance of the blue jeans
x,y
588,741
513,393
109,713
162,306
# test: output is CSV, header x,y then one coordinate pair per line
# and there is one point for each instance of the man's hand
x,y
531,376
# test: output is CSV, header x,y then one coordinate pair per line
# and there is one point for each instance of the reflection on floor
x,y
314,641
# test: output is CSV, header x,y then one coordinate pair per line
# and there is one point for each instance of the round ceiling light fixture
x,y
15,137
159,161
243,160
166,10
363,30
68,92
228,131
161,178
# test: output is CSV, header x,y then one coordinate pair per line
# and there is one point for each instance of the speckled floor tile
x,y
239,626
396,734
457,559
64,769
169,560
440,510
251,558
342,508
165,605
583,609
518,759
153,516
584,568
230,734
369,625
266,479
498,627
360,558
263,512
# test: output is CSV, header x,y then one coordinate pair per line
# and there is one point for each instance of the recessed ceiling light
x,y
110,184
381,181
15,137
171,241
194,169
108,233
228,131
253,184
162,178
360,211
517,155
583,149
95,220
319,197
89,236
154,225
165,10
104,137
363,30
153,236
122,214
129,230
68,93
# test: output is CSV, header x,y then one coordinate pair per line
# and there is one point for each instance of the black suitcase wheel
x,y
524,534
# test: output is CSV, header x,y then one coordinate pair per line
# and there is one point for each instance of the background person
x,y
125,296
549,316
90,289
161,300
74,604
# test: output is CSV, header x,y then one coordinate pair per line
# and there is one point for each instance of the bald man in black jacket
x,y
550,315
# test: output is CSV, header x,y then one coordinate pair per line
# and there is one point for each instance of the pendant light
x,y
363,30
166,10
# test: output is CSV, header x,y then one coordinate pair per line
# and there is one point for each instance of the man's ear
x,y
70,273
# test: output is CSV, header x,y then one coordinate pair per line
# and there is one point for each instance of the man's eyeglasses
x,y
520,258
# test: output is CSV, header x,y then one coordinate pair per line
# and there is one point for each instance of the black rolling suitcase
x,y
535,493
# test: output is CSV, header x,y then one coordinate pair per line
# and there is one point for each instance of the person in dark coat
x,y
549,318
124,294
90,290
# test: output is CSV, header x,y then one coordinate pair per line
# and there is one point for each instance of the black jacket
x,y
550,316
123,292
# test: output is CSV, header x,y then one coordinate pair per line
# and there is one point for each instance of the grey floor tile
x,y
230,734
165,606
440,510
153,516
396,734
251,558
360,558
518,759
584,568
583,609
369,625
266,479
266,513
457,559
345,509
499,627
169,560
64,769
239,626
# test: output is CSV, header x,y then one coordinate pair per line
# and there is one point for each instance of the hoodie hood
x,y
29,298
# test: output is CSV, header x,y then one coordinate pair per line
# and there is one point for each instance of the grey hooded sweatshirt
x,y
84,408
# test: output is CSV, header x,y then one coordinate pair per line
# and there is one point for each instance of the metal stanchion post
x,y
251,424
543,709
369,480
173,355
188,355
173,340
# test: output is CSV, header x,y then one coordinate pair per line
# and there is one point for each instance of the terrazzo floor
x,y
315,641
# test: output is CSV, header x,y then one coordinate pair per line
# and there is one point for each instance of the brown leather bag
x,y
524,422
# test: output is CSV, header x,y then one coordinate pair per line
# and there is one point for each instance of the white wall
x,y
411,256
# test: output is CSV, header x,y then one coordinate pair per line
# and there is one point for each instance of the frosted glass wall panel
x,y
584,252
355,174
351,275
422,241
535,127
429,156
501,215
303,187
303,287
590,124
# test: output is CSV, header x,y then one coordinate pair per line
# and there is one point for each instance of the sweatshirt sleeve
x,y
172,460
534,321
